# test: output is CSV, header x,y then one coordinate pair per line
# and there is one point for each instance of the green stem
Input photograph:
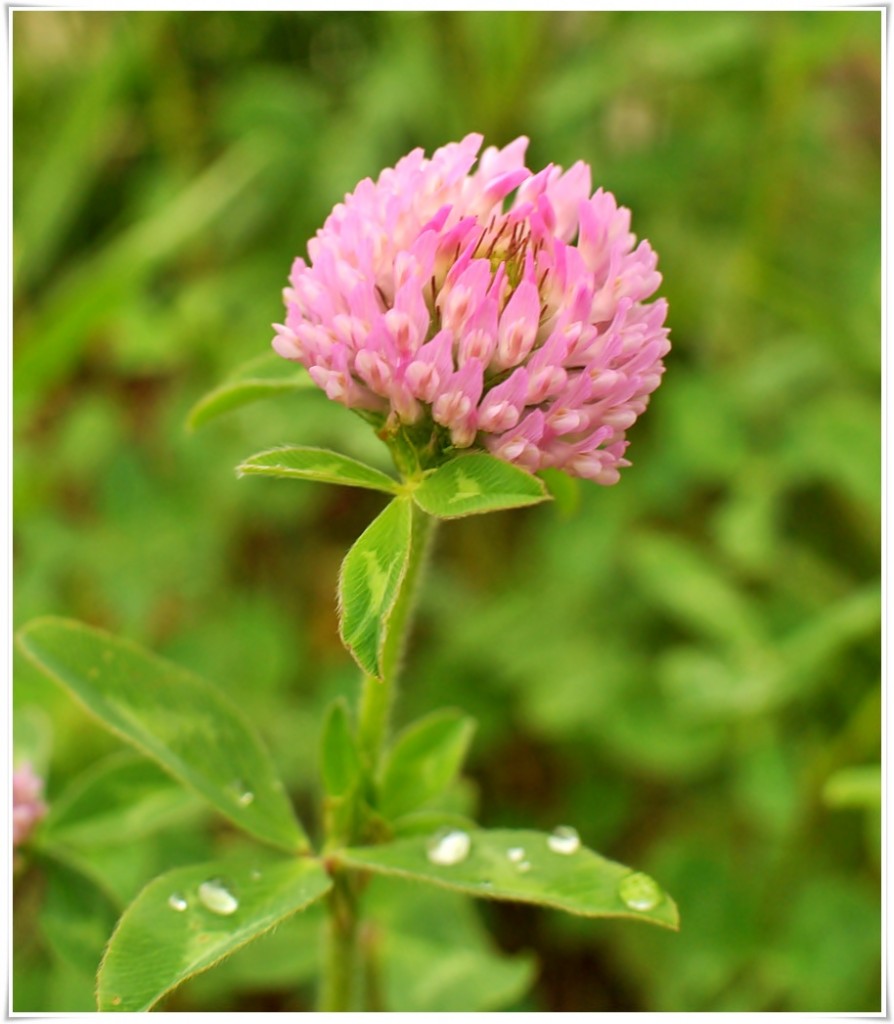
x,y
340,969
340,965
374,997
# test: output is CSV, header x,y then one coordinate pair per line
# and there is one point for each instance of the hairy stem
x,y
338,992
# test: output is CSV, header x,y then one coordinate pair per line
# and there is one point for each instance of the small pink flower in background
x,y
524,331
27,803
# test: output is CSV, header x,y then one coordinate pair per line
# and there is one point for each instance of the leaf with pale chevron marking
x,y
472,484
370,580
194,732
189,919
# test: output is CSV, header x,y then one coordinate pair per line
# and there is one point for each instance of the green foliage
x,y
174,927
265,377
157,945
176,718
423,761
283,959
859,786
340,758
431,947
565,490
327,467
579,883
472,484
369,582
77,918
435,955
120,799
155,220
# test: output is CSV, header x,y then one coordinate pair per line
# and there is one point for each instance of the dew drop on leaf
x,y
564,839
640,892
449,847
177,902
243,794
217,898
516,854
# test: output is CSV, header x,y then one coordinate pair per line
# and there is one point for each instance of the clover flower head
x,y
492,308
28,806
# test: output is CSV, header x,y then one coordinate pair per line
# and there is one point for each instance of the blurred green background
x,y
686,667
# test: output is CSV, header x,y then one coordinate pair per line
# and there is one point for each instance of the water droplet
x,y
516,854
524,867
243,794
640,892
217,898
255,876
564,839
177,902
486,884
450,846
